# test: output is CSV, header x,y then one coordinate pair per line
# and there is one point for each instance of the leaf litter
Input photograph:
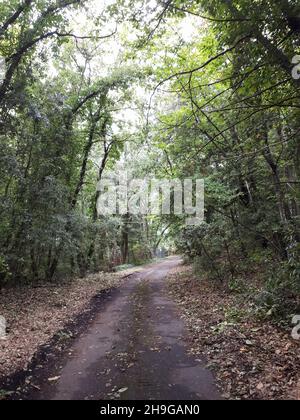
x,y
251,359
35,314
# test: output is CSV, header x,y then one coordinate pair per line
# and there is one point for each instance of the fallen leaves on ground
x,y
251,359
35,315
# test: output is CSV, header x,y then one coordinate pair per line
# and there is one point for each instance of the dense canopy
x,y
171,89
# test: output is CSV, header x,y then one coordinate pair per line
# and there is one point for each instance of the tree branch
x,y
211,19
15,16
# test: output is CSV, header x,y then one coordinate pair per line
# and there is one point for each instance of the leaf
x,y
122,390
260,386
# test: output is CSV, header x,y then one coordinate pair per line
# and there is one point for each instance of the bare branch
x,y
77,37
160,18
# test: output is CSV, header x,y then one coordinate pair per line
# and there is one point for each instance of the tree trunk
x,y
125,240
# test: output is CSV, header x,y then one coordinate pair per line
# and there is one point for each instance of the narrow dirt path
x,y
133,350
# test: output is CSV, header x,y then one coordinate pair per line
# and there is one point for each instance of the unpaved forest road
x,y
134,345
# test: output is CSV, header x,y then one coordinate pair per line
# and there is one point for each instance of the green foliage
x,y
229,114
224,107
56,119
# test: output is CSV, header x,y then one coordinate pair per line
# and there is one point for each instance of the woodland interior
x,y
161,89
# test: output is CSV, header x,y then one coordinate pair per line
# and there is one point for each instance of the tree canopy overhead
x,y
171,89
